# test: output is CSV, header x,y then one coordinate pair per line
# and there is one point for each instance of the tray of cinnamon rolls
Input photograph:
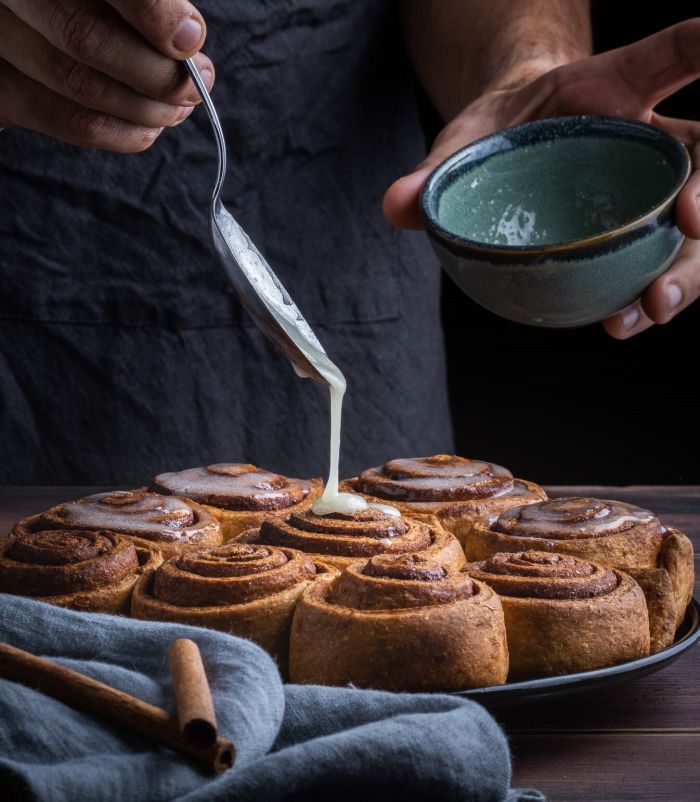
x,y
482,586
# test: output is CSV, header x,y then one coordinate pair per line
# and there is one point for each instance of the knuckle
x,y
83,84
152,12
80,32
684,49
96,130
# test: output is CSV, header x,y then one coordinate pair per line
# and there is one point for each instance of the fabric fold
x,y
293,742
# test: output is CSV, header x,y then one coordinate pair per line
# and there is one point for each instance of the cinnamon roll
x,y
168,523
564,614
401,623
454,489
243,589
239,495
88,570
611,533
341,538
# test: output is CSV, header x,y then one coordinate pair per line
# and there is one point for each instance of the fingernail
x,y
187,35
629,318
183,117
673,296
208,77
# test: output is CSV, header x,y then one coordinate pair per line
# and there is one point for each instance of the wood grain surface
x,y
638,741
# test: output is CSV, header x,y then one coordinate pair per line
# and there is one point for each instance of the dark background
x,y
577,407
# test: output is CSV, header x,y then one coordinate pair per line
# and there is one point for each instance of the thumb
x,y
400,204
174,27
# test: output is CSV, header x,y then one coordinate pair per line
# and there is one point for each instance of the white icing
x,y
285,312
386,508
516,226
333,501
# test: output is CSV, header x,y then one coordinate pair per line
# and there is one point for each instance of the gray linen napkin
x,y
293,742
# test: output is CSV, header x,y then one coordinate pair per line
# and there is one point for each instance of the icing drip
x,y
333,501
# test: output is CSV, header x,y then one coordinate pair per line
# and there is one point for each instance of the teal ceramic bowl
x,y
558,222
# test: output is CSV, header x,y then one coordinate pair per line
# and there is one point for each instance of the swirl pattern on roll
x,y
611,533
442,477
544,575
55,563
564,613
399,622
402,581
231,574
359,534
246,589
343,537
161,520
575,518
234,486
456,490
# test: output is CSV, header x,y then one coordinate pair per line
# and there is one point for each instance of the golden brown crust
x,y
400,623
234,522
610,533
563,614
661,605
343,538
170,524
240,495
677,557
85,570
245,590
454,489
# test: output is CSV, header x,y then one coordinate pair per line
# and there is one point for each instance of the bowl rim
x,y
434,227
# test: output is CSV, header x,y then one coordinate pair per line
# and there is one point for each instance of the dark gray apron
x,y
123,352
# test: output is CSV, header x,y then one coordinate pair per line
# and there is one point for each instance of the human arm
x,y
98,73
627,82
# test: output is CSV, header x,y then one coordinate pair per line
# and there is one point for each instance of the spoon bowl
x,y
255,284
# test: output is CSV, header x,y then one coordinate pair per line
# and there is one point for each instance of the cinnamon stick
x,y
112,705
195,708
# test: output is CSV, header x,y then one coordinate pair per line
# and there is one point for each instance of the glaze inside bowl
x,y
556,191
559,222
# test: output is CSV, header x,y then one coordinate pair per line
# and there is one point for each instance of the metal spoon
x,y
257,287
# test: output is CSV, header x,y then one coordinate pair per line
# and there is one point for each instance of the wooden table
x,y
633,742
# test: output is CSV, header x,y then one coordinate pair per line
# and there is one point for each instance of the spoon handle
x,y
215,124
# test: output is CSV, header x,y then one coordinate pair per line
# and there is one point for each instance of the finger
x,y
678,287
401,201
656,67
174,27
628,322
31,54
688,202
687,210
491,112
92,33
29,104
688,131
